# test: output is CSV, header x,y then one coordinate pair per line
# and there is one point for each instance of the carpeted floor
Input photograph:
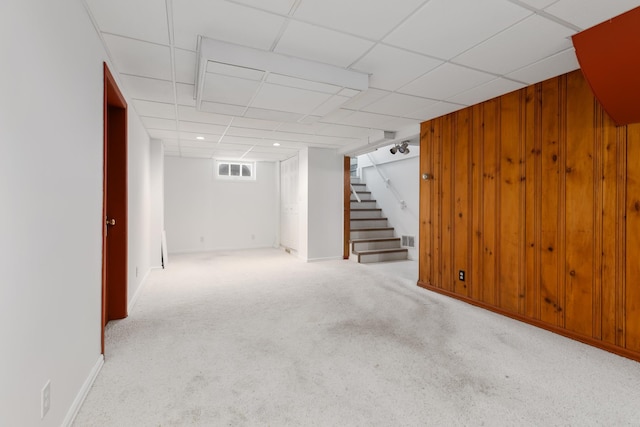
x,y
259,338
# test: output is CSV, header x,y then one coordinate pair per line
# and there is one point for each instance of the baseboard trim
x,y
136,295
84,391
620,351
332,258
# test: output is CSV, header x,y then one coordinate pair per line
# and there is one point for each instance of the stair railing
x,y
353,190
387,183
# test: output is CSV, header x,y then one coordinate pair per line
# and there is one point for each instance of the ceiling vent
x,y
247,82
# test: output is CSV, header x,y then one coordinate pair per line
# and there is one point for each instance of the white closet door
x,y
289,203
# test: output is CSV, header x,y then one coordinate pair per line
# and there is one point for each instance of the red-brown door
x,y
114,241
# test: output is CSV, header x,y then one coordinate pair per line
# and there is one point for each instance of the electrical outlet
x,y
45,399
461,275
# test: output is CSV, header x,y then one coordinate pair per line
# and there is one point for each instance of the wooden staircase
x,y
371,237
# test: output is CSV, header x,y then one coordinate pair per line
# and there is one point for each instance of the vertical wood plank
x,y
425,264
621,247
533,150
477,203
580,206
549,300
632,288
461,199
490,201
436,194
509,204
447,259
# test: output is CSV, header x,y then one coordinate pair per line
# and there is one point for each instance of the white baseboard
x,y
134,299
82,394
332,258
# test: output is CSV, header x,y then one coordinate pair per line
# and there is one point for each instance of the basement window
x,y
244,171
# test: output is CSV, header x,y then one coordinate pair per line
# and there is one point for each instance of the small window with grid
x,y
235,170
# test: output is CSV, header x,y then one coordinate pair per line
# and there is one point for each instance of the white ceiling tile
x,y
171,142
399,123
234,71
163,134
204,128
278,116
337,116
350,93
436,110
587,13
360,17
364,119
538,4
365,98
277,6
140,58
186,143
310,42
224,21
214,107
255,123
445,28
228,90
185,94
302,84
309,129
529,41
287,136
148,89
391,68
193,136
185,66
446,81
342,131
161,124
282,98
155,109
192,115
330,105
142,19
552,66
486,91
247,132
398,104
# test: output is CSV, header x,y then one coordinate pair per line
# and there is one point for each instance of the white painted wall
x,y
403,172
51,82
203,213
321,210
156,225
289,202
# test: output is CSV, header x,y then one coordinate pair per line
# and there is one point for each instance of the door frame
x,y
347,208
114,204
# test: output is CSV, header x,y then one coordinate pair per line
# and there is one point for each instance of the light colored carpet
x,y
259,338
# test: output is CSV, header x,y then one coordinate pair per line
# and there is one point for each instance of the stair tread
x,y
381,251
369,219
375,239
366,209
371,229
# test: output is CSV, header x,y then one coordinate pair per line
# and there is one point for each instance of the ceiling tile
x,y
552,66
155,109
160,124
247,132
529,41
446,28
193,136
278,116
342,131
255,123
486,91
163,134
365,98
185,94
185,66
398,104
204,128
359,17
282,98
587,13
140,58
310,42
214,107
364,119
398,123
228,90
302,84
538,4
309,129
391,68
148,89
330,105
220,20
436,110
234,71
142,19
277,6
192,115
446,81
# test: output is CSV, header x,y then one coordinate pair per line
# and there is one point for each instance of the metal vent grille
x,y
408,241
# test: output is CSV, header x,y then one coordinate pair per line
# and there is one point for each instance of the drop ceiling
x,y
423,59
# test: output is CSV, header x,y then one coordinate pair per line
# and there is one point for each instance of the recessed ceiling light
x,y
276,144
200,138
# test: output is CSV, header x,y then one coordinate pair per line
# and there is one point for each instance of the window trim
x,y
241,163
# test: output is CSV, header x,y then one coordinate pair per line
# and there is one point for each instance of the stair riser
x,y
359,187
370,234
365,214
394,256
363,196
368,223
355,180
364,205
368,246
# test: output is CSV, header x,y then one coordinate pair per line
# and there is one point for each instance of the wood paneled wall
x,y
536,196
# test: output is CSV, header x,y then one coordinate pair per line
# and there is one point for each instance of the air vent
x,y
408,241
